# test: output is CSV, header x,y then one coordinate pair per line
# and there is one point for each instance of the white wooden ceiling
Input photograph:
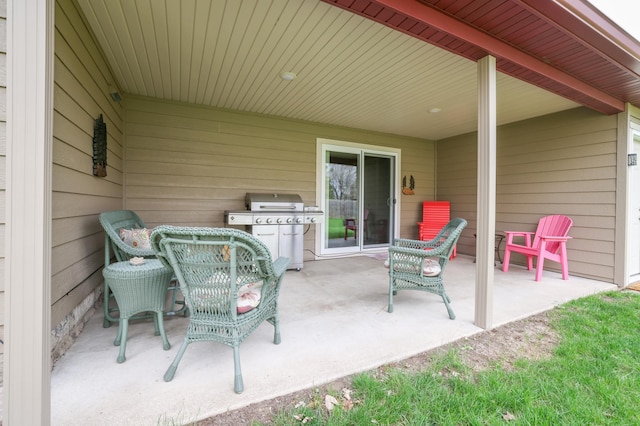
x,y
350,71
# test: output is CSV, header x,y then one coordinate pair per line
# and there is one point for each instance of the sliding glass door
x,y
359,199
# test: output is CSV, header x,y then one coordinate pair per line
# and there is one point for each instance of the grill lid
x,y
273,202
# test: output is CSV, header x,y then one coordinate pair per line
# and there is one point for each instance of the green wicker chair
x,y
420,265
213,266
112,222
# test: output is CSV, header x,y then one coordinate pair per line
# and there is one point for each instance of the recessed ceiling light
x,y
288,75
435,110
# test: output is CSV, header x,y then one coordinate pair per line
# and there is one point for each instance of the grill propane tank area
x,y
278,220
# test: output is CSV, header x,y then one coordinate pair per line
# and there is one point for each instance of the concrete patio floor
x,y
334,322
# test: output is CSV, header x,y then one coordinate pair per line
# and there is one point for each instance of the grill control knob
x,y
258,220
313,220
269,220
298,220
289,220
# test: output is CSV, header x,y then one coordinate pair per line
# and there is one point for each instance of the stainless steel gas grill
x,y
278,220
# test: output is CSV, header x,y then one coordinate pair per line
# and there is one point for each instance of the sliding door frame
x,y
322,145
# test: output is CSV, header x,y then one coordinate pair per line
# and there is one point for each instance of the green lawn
x,y
336,228
593,378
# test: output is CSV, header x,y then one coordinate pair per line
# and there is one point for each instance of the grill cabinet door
x,y
268,234
291,244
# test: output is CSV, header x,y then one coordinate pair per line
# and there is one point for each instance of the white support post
x,y
486,210
27,362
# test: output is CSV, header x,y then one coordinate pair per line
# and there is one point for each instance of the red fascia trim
x,y
590,27
601,22
435,18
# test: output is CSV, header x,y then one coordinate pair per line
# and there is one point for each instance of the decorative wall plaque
x,y
412,184
100,148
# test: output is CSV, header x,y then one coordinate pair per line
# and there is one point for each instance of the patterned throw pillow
x,y
249,297
431,268
137,238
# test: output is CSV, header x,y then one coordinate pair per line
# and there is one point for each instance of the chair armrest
x,y
419,252
527,237
415,244
518,233
553,238
280,265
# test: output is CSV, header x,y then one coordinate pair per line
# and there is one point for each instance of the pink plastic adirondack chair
x,y
549,242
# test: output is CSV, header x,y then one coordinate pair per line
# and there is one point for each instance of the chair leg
x,y
118,338
563,260
171,371
507,257
238,385
174,288
106,322
156,324
539,267
530,262
276,330
123,328
446,299
391,293
160,321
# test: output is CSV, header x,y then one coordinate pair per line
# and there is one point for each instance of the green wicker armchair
x,y
420,265
112,222
217,268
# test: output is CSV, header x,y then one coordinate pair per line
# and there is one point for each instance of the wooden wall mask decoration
x,y
100,148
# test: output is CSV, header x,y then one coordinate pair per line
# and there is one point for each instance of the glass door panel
x,y
378,200
342,182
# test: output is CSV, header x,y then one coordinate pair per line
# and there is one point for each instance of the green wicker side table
x,y
138,288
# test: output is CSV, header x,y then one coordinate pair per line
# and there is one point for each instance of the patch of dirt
x,y
531,338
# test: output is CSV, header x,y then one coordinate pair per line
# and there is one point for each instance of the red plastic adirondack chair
x,y
549,242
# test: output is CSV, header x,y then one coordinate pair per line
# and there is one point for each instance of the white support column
x,y
623,224
27,365
486,215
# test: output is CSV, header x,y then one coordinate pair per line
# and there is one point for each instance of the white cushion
x,y
136,238
431,268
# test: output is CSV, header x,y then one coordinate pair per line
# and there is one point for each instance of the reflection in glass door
x,y
358,199
377,200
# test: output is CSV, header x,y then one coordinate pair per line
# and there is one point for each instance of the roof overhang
x,y
566,47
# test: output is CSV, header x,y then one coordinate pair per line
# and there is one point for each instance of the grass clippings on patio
x,y
589,376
